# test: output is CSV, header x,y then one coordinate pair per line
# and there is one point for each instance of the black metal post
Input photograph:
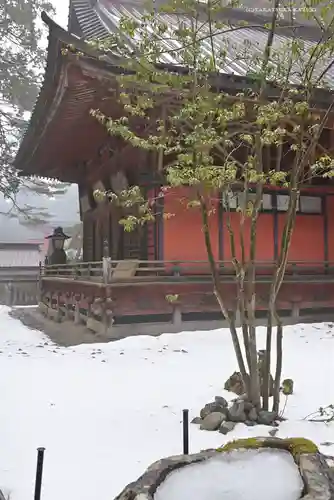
x,y
185,432
39,473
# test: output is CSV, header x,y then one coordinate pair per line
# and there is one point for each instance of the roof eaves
x,y
45,105
52,90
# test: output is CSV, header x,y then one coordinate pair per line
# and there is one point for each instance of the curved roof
x,y
66,96
72,85
91,19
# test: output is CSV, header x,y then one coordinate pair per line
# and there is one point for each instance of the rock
x,y
197,420
317,475
227,427
243,397
211,408
250,423
221,401
248,406
315,472
235,384
212,421
236,413
273,432
252,415
266,417
207,409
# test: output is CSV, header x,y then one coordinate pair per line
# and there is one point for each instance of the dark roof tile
x,y
99,18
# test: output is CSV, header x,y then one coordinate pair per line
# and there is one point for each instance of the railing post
x,y
39,473
177,317
295,311
9,294
77,318
106,269
176,269
185,425
39,284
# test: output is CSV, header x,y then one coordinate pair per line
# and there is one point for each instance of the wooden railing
x,y
108,271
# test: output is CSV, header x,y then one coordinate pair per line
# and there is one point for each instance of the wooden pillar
x,y
325,228
9,294
89,307
77,319
106,269
109,310
39,284
159,221
104,318
68,306
177,317
295,311
58,316
88,237
220,228
275,224
98,235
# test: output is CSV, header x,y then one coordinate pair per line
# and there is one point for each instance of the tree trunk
x,y
216,289
266,375
279,351
251,287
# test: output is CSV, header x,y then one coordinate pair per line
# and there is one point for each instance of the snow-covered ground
x,y
105,412
248,475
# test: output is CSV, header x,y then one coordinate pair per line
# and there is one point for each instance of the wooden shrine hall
x,y
156,275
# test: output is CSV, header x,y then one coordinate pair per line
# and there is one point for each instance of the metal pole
x,y
185,432
39,473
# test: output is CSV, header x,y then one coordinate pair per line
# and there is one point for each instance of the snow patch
x,y
105,412
239,475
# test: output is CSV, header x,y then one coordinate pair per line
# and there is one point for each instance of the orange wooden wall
x,y
265,237
183,238
307,241
330,233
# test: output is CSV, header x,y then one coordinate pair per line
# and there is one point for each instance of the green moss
x,y
296,446
248,443
299,446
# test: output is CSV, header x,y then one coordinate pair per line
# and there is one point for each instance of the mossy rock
x,y
295,446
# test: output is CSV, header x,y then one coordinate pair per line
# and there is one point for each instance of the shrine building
x,y
159,273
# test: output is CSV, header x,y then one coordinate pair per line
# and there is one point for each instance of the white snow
x,y
239,475
106,412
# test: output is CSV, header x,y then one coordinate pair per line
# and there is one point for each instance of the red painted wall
x,y
183,237
265,237
307,241
330,217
